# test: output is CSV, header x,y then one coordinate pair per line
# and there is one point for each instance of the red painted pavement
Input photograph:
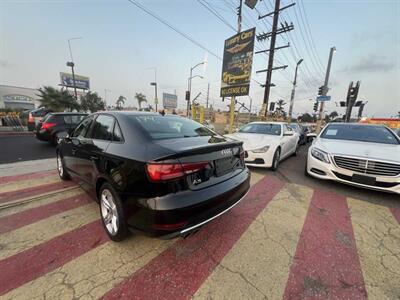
x,y
34,191
8,179
179,271
326,263
39,260
33,215
396,213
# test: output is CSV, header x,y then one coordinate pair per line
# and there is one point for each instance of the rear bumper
x,y
326,171
43,136
158,217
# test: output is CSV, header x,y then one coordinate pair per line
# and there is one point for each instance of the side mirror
x,y
288,133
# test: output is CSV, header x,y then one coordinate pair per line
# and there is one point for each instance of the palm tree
x,y
280,104
120,102
92,102
56,100
140,99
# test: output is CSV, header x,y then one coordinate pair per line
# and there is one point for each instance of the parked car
x,y
55,125
300,131
267,143
159,175
35,116
363,155
310,133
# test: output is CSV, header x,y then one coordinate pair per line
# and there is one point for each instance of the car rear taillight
x,y
30,118
48,125
159,172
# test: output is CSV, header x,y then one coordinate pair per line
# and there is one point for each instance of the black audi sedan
x,y
160,175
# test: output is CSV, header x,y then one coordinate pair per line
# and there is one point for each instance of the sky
x,y
121,46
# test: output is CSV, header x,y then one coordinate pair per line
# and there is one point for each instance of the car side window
x,y
102,128
83,128
117,133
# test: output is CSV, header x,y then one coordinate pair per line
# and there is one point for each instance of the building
x,y
14,97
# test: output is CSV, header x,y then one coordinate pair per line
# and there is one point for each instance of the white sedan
x,y
267,143
363,155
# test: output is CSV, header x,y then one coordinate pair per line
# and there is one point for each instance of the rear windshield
x,y
171,127
271,129
361,133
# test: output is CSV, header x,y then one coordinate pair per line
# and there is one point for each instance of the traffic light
x,y
320,90
272,106
187,96
315,106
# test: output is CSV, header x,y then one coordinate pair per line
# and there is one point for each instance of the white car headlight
x,y
261,150
320,155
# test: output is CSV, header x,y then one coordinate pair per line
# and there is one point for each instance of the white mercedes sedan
x,y
267,143
362,155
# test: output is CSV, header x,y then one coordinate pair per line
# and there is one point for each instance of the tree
x,y
56,100
140,99
306,117
120,102
92,102
280,110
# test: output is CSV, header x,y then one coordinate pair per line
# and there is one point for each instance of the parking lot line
x,y
396,213
26,183
257,267
92,274
21,239
8,179
36,201
326,263
378,243
179,271
35,190
41,259
17,220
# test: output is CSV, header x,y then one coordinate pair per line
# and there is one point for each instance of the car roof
x,y
356,124
68,113
266,122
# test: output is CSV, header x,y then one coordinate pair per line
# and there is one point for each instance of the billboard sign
x,y
170,100
237,63
81,82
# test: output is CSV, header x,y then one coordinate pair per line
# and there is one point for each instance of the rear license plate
x,y
368,180
223,166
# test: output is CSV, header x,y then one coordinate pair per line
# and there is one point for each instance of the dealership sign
x,y
81,82
170,100
237,63
17,98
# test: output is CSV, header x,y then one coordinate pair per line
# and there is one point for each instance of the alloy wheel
x,y
109,212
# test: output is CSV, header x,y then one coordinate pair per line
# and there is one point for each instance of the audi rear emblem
x,y
226,152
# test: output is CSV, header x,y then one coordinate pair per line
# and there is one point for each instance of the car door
x,y
93,147
287,140
71,145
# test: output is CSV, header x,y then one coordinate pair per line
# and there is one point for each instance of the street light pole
x,y
72,64
293,90
325,90
190,85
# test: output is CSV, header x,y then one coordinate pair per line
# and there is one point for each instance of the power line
x,y
146,10
207,6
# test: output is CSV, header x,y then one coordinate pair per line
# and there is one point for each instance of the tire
x,y
111,213
275,161
62,172
305,171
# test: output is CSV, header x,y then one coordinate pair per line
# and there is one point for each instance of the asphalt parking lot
x,y
292,237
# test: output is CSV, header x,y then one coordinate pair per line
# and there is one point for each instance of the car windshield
x,y
171,127
295,127
361,133
271,129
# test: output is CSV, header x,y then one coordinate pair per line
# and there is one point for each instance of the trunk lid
x,y
223,157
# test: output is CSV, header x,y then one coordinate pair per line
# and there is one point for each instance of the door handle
x,y
74,150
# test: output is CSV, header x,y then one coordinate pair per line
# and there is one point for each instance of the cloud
x,y
371,63
5,64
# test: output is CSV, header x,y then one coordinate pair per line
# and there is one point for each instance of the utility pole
x,y
208,95
293,90
233,101
325,90
275,30
352,94
72,64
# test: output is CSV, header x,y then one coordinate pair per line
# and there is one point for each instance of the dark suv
x,y
55,124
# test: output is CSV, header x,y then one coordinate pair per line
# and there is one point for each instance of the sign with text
x,y
170,100
237,64
81,82
323,98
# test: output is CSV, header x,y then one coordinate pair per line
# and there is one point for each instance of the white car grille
x,y
367,166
